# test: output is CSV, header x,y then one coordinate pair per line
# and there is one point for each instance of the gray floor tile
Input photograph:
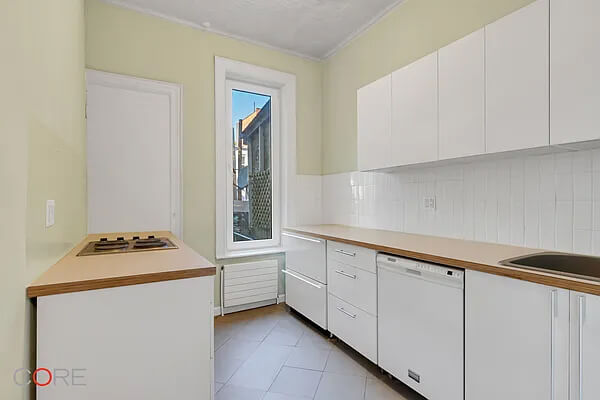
x,y
260,370
296,382
341,387
308,358
230,392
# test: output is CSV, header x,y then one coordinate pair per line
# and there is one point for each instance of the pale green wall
x,y
42,156
128,42
412,30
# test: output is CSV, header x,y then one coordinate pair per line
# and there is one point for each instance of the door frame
x,y
175,93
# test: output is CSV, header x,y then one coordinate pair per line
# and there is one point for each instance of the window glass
x,y
252,169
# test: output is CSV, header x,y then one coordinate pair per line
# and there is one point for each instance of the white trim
x,y
175,93
362,29
181,21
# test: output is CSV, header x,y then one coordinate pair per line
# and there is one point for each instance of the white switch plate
x,y
49,213
429,203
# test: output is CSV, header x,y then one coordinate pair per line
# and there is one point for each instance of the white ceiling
x,y
312,28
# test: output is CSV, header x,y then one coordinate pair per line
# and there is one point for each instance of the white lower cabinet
x,y
354,326
307,296
585,346
516,339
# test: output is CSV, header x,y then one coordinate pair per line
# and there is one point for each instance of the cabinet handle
x,y
581,316
337,271
285,271
346,253
301,237
553,316
346,312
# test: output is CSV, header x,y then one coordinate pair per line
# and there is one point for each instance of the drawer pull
x,y
346,312
285,271
346,253
300,237
337,271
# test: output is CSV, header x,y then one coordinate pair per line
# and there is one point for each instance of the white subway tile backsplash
x,y
550,201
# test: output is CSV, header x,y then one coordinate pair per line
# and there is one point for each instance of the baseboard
x,y
217,310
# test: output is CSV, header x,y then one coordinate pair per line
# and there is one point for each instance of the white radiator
x,y
249,285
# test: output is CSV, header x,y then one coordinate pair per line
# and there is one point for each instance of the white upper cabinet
x,y
517,80
415,112
374,124
574,62
462,97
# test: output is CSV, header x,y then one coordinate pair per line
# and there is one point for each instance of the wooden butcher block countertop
x,y
466,254
75,274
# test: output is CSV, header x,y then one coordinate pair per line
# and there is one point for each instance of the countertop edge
x,y
110,282
543,278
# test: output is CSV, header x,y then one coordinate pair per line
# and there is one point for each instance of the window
x,y
252,189
254,124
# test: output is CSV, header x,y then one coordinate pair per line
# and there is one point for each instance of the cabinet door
x,y
574,62
462,97
415,112
517,82
374,124
516,339
306,255
585,346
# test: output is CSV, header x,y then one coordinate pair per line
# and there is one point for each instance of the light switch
x,y
49,213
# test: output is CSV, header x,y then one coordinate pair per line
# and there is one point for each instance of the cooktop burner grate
x,y
122,245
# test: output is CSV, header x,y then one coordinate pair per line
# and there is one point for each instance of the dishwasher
x,y
421,325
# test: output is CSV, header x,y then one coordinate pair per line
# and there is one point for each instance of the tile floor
x,y
271,353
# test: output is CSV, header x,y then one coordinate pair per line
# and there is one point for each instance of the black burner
x,y
149,243
105,244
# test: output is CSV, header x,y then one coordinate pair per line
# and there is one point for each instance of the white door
x,y
585,346
574,66
516,339
462,97
133,154
517,82
415,112
374,103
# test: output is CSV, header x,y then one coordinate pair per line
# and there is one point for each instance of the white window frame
x,y
281,87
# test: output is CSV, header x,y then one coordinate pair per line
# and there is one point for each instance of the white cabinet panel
x,y
306,255
374,124
354,326
415,112
516,339
354,285
517,80
574,62
306,296
585,346
357,256
462,97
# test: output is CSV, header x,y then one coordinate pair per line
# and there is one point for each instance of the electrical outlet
x,y
49,213
429,203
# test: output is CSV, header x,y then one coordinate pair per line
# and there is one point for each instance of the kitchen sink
x,y
574,265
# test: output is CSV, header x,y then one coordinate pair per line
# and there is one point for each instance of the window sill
x,y
250,253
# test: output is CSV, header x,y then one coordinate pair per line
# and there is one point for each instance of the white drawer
x,y
354,285
352,255
305,254
306,296
354,326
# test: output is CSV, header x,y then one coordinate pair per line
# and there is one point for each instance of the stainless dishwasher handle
x,y
346,253
346,312
285,271
337,271
552,341
581,316
301,237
